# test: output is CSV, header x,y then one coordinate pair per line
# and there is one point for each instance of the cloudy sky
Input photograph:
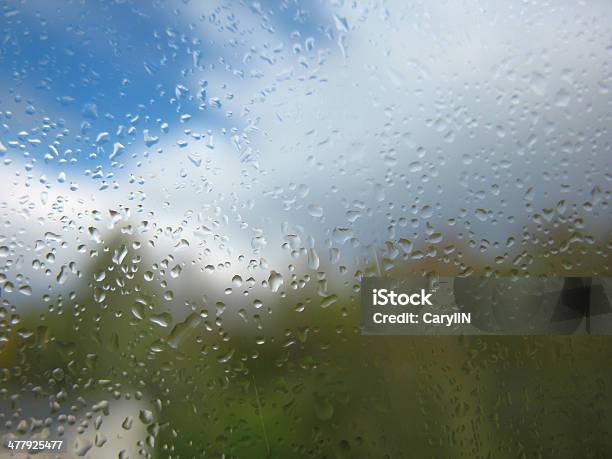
x,y
285,131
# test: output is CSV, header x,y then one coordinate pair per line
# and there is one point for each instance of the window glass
x,y
192,193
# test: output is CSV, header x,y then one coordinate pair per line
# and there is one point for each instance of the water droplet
x,y
275,281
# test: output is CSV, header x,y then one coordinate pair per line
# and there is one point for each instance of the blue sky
x,y
97,66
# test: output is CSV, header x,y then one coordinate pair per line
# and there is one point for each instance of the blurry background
x,y
193,191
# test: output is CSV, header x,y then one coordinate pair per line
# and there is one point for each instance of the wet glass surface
x,y
192,193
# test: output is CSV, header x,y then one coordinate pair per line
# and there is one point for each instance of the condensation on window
x,y
193,191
